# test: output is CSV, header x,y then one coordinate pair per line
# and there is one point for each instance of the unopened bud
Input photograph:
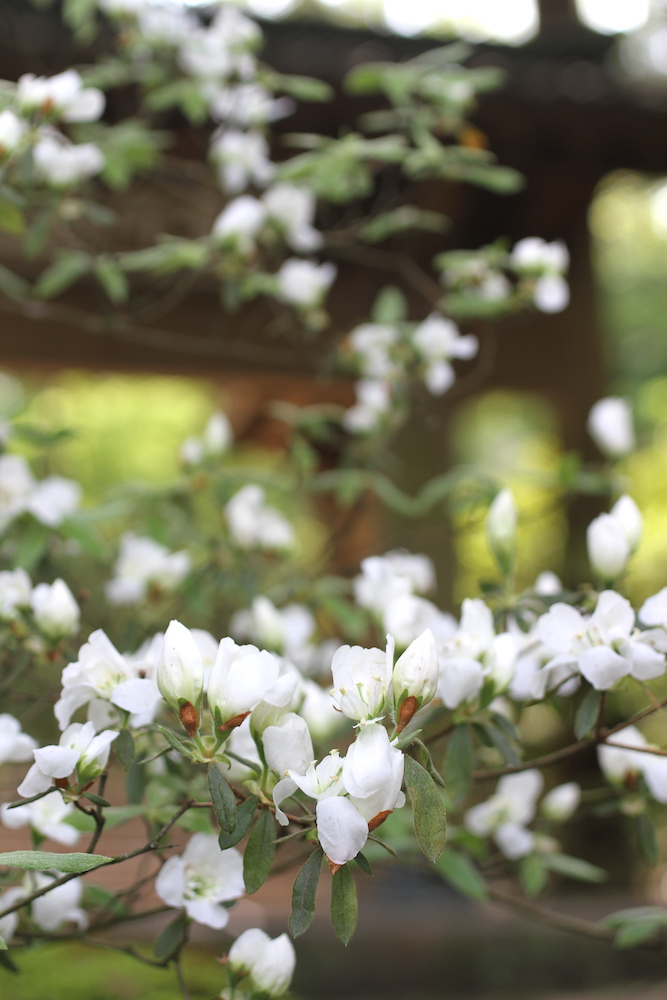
x,y
501,530
608,548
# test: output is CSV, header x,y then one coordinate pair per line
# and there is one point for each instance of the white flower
x,y
288,745
617,763
506,814
551,293
15,591
242,158
373,406
61,164
15,746
608,547
165,25
239,223
416,672
58,906
361,680
534,255
610,426
604,647
372,345
373,771
654,609
293,210
240,679
56,612
392,575
255,524
242,743
247,105
318,710
79,748
269,962
9,923
341,829
180,672
437,340
501,529
627,513
406,616
53,500
303,284
46,816
16,485
461,679
201,879
561,802
62,95
12,130
142,562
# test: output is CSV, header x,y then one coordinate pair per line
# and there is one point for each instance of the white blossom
x,y
501,523
239,223
79,748
506,814
253,523
611,427
180,672
416,672
61,905
561,802
54,499
15,591
62,164
304,284
242,158
373,406
288,745
608,547
56,612
361,680
437,340
142,562
47,817
15,746
240,679
63,96
12,130
201,879
268,962
292,209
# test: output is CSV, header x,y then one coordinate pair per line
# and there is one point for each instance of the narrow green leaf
x,y
364,863
43,861
3,946
576,868
7,963
428,810
344,907
112,279
170,937
458,762
259,852
173,741
587,713
13,286
244,815
125,748
459,871
427,762
97,800
506,750
65,271
304,894
12,219
648,844
631,935
534,874
222,797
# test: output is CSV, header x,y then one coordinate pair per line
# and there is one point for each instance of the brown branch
x,y
561,921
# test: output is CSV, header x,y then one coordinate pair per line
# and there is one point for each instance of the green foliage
x,y
304,894
427,808
259,851
344,906
43,861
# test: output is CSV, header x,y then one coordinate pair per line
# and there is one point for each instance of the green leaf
x,y
344,907
460,872
304,894
222,797
534,874
400,219
364,863
631,935
428,810
173,741
64,272
11,217
587,713
427,762
244,815
43,861
125,748
7,963
259,852
390,306
305,88
648,843
499,740
575,868
3,946
32,546
458,762
112,279
170,937
97,800
12,285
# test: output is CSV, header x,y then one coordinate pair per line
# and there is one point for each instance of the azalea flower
x,y
241,677
15,746
79,748
253,523
610,425
304,284
47,817
63,96
361,680
507,813
268,962
603,647
56,612
242,158
292,210
142,562
201,879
